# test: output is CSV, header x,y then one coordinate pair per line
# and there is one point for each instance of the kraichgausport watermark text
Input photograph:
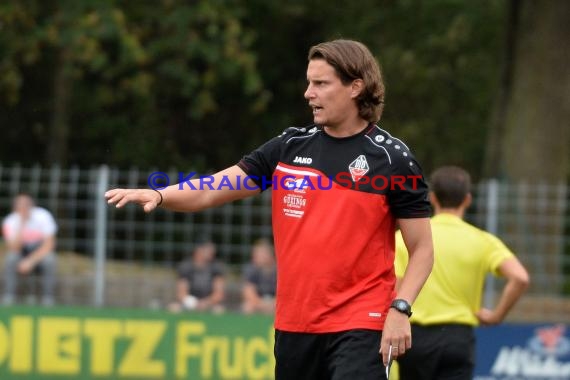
x,y
193,181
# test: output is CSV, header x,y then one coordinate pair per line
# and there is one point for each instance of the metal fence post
x,y
100,235
491,225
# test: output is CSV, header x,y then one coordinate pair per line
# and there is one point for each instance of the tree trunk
x,y
59,130
494,154
536,143
529,141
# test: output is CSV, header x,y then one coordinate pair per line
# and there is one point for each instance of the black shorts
x,y
351,354
442,352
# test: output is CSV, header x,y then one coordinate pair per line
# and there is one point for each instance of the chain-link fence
x,y
127,258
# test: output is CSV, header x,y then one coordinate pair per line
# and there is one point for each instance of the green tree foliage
x,y
174,83
139,81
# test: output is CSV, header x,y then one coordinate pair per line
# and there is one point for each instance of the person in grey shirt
x,y
260,279
200,284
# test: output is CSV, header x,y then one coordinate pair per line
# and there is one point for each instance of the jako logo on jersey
x,y
302,160
358,168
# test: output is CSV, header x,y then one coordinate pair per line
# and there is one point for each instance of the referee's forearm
x,y
512,291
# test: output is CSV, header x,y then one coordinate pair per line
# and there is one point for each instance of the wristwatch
x,y
402,306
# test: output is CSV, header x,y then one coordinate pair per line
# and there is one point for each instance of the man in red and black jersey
x,y
339,187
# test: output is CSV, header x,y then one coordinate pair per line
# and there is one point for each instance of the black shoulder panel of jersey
x,y
395,149
262,161
412,200
293,133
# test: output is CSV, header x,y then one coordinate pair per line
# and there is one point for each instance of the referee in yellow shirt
x,y
449,304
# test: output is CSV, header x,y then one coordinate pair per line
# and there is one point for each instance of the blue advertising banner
x,y
523,352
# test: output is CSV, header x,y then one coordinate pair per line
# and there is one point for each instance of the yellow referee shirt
x,y
463,255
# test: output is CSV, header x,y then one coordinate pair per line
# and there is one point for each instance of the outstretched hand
x,y
148,199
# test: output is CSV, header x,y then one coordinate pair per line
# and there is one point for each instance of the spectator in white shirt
x,y
29,232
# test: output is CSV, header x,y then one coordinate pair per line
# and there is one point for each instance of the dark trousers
x,y
439,352
345,355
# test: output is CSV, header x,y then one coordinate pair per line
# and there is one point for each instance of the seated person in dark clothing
x,y
260,279
201,283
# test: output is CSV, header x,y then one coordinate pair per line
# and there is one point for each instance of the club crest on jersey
x,y
358,168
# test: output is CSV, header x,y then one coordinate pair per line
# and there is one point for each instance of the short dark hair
x,y
352,60
450,184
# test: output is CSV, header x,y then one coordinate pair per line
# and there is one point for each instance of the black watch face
x,y
402,306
